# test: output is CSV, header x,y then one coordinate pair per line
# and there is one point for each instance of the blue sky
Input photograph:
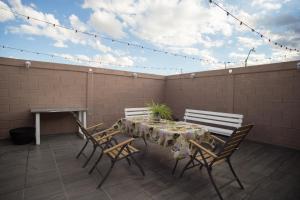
x,y
188,27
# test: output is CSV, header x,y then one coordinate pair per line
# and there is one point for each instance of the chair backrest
x,y
84,131
134,112
233,142
217,122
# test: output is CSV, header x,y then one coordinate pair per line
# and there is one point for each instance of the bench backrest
x,y
134,112
220,123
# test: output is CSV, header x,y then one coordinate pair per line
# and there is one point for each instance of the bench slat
x,y
137,109
212,121
232,115
225,119
138,113
131,112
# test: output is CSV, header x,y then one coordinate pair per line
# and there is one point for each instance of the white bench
x,y
224,122
134,112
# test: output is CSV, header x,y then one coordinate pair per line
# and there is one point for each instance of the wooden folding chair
x,y
96,138
116,153
204,157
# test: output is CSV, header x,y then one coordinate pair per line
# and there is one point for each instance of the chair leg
x,y
175,166
89,158
128,161
234,174
214,184
87,141
185,167
138,165
107,174
96,163
201,165
144,139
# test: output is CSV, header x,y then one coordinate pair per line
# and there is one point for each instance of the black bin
x,y
22,135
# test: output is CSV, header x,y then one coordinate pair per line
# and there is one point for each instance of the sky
x,y
193,28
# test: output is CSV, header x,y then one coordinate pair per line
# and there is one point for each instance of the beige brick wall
x,y
104,92
268,96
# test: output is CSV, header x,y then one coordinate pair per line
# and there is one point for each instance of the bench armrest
x,y
121,144
203,148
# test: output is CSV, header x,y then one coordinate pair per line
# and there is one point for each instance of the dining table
x,y
174,135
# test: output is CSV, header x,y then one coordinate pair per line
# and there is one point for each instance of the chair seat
x,y
208,159
100,140
113,154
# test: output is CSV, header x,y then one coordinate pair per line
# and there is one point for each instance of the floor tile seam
x,y
59,175
110,198
26,172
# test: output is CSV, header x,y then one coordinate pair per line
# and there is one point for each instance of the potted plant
x,y
159,111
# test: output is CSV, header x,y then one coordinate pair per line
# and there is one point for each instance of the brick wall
x,y
268,96
104,92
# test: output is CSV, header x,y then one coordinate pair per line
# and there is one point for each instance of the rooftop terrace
x,y
50,171
267,162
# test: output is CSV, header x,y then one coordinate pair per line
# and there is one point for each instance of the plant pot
x,y
22,135
156,118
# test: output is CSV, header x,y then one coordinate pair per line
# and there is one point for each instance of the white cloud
x,y
269,4
98,60
106,22
254,58
249,42
77,24
60,36
60,44
5,15
161,22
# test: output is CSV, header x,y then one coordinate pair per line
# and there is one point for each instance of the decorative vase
x,y
156,118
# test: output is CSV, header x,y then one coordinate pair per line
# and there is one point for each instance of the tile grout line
x,y
109,197
59,174
26,171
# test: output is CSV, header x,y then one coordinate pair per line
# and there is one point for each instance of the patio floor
x,y
51,171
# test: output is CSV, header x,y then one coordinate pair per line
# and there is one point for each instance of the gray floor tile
x,y
51,171
51,190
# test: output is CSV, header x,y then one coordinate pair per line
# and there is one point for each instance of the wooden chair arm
x,y
103,131
94,126
110,135
121,144
203,148
218,139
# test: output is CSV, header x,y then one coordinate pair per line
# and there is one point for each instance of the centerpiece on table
x,y
159,111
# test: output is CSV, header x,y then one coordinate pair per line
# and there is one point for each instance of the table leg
x,y
81,117
84,118
37,129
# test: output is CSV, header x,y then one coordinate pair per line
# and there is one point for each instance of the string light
x,y
248,26
147,48
85,60
110,39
